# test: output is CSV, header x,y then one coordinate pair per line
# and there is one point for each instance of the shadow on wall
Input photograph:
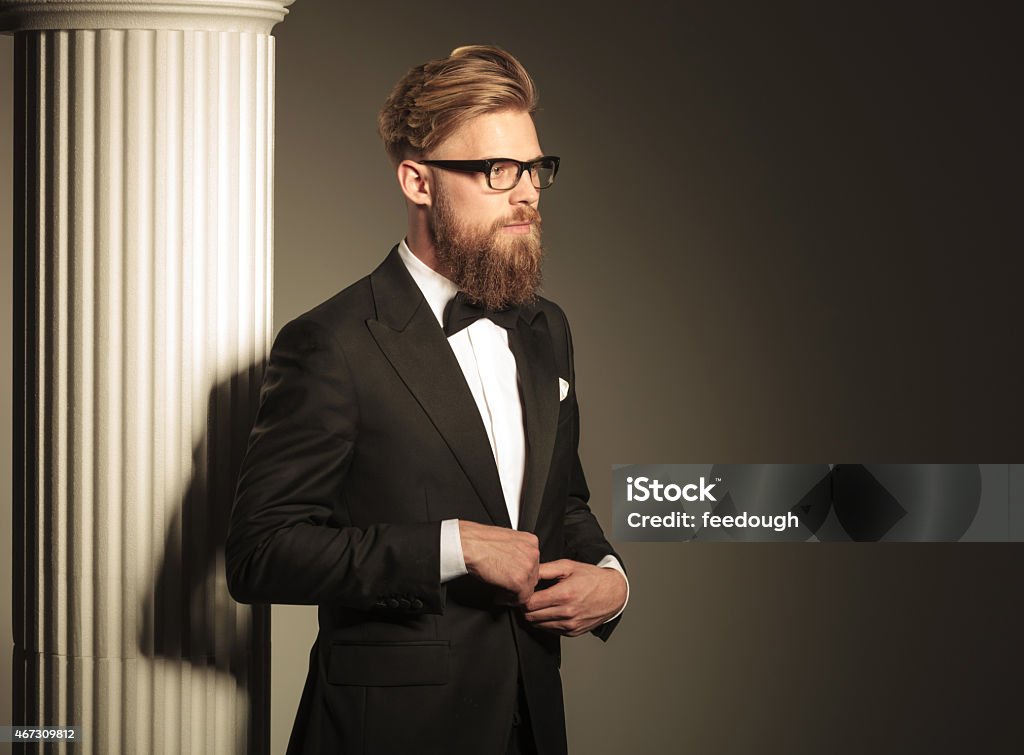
x,y
198,642
188,615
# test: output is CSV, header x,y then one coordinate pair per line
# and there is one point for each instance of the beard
x,y
493,268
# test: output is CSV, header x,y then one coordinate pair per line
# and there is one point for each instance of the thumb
x,y
563,567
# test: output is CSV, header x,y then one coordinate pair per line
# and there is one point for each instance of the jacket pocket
x,y
389,664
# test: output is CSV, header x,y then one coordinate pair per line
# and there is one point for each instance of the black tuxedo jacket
x,y
367,437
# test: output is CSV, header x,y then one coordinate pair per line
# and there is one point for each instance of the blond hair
x,y
434,99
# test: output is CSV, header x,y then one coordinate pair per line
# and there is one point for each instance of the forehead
x,y
507,133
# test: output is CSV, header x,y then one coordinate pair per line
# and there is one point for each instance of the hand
x,y
585,597
500,556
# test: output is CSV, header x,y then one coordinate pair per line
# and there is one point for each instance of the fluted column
x,y
143,247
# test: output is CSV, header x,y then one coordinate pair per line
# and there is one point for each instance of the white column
x,y
143,314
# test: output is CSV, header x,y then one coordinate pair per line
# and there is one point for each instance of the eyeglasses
x,y
503,173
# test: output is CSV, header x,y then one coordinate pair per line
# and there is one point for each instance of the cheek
x,y
474,208
485,216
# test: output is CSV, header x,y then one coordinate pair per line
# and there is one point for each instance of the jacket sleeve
x,y
286,543
584,538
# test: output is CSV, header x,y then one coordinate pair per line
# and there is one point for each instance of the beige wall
x,y
779,238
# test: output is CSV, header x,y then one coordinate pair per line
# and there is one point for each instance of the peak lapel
x,y
408,334
530,342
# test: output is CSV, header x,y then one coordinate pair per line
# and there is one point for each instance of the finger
x,y
554,613
563,567
568,628
524,595
552,626
563,626
552,596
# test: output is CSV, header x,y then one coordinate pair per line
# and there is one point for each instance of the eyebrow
x,y
506,157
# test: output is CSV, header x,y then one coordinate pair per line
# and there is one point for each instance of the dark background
x,y
781,234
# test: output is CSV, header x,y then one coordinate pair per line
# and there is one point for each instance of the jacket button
x,y
392,603
417,603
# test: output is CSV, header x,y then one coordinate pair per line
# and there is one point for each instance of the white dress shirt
x,y
486,360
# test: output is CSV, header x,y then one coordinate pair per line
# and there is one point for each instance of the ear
x,y
414,179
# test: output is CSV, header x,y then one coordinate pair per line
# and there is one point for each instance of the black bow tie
x,y
461,313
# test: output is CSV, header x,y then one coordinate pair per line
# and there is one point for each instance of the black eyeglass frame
x,y
484,166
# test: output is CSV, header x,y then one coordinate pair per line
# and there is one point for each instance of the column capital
x,y
258,16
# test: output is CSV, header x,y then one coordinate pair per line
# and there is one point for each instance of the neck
x,y
421,243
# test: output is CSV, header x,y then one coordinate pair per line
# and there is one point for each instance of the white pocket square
x,y
563,389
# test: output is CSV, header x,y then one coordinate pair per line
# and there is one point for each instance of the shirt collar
x,y
437,289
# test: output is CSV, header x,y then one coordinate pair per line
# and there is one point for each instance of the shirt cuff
x,y
610,562
453,563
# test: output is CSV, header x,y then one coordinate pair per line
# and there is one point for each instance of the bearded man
x,y
413,468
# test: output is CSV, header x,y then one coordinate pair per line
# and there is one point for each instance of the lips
x,y
522,221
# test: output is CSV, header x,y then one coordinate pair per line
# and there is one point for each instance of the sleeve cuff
x,y
608,562
453,563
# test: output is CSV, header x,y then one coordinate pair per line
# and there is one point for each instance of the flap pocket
x,y
388,664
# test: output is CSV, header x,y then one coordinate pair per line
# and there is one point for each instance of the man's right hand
x,y
503,557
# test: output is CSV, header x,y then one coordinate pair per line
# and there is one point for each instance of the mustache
x,y
523,214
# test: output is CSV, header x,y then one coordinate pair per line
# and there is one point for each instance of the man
x,y
413,468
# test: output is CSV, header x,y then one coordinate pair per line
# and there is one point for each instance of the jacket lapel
x,y
408,334
538,387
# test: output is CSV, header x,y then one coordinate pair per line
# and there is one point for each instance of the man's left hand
x,y
584,597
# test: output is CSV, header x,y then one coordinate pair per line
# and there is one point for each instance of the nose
x,y
524,191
